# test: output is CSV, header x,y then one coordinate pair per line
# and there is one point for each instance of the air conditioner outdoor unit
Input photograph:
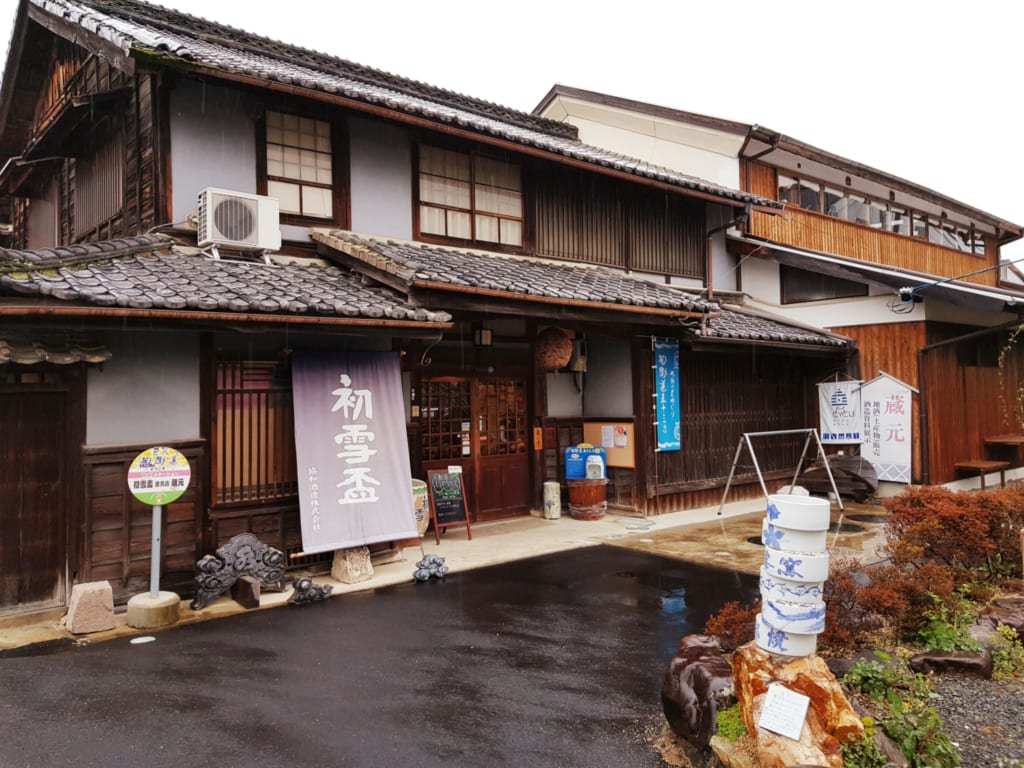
x,y
238,220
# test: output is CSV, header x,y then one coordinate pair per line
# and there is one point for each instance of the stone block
x,y
91,608
352,565
968,663
246,591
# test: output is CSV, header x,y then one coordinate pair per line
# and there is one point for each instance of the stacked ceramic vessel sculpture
x,y
793,575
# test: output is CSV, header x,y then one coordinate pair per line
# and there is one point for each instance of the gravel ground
x,y
984,718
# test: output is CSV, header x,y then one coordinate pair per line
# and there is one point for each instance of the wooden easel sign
x,y
447,500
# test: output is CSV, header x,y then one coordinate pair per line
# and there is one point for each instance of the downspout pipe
x,y
742,218
925,464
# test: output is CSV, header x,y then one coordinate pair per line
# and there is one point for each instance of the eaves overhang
x,y
907,286
787,153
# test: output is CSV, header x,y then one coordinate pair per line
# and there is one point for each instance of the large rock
x,y
830,718
698,683
1008,611
970,663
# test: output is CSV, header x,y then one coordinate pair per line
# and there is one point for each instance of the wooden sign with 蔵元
x,y
447,500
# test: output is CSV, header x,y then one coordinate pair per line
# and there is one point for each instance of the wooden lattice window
x,y
502,416
446,419
254,434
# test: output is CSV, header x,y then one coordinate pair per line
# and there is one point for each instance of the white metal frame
x,y
745,440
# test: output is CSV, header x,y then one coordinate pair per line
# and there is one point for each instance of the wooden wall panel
x,y
818,232
118,528
966,401
893,349
723,396
588,218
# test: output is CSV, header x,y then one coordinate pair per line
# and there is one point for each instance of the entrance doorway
x,y
480,425
33,502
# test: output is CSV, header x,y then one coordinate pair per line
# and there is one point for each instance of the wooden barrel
x,y
587,499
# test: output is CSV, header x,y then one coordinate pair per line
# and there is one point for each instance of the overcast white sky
x,y
930,91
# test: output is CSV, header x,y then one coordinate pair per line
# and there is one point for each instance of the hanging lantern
x,y
553,349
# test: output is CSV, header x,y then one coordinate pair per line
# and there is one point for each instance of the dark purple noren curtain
x,y
355,486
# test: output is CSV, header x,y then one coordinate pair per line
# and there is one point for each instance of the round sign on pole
x,y
158,476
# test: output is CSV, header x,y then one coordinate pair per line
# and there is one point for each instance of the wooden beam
x,y
90,41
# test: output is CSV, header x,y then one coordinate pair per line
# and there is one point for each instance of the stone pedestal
x,y
830,717
352,565
146,612
91,608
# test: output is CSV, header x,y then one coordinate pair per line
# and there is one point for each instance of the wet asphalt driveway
x,y
553,661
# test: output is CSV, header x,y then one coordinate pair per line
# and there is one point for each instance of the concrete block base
x,y
91,608
146,612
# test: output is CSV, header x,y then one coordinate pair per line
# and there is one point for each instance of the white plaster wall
x,y
759,278
664,150
608,388
707,153
863,310
380,162
564,400
213,144
148,392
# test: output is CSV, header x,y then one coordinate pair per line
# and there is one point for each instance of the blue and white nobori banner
x,y
839,407
355,485
666,392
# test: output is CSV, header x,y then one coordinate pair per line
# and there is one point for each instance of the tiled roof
x,y
747,325
148,273
521,277
62,351
416,264
133,25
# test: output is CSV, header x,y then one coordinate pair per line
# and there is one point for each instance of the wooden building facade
x,y
452,232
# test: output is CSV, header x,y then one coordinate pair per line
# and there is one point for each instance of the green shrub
x,y
945,627
1007,653
875,679
862,751
730,723
906,718
917,730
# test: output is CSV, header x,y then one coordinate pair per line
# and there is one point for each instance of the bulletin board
x,y
618,438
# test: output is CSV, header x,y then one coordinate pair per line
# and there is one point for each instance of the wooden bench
x,y
981,467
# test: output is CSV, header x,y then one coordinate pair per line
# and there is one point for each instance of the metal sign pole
x,y
154,557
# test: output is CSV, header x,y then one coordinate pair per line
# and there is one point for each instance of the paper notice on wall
x,y
784,711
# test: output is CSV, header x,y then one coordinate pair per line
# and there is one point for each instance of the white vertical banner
x,y
840,411
888,427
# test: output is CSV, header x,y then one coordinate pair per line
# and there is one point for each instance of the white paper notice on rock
x,y
784,711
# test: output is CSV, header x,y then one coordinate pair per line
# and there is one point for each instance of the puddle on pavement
x,y
674,601
869,518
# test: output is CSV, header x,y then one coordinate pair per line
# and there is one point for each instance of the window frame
x,y
473,211
340,209
832,288
920,225
252,433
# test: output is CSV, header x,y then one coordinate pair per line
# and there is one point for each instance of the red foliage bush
x,y
733,624
975,533
902,595
848,624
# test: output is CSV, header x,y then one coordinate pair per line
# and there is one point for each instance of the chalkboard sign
x,y
447,501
